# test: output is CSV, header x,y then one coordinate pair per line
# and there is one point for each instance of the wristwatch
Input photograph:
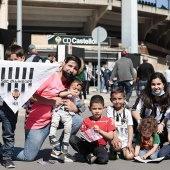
x,y
139,120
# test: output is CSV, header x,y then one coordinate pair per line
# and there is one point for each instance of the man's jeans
x,y
142,84
9,120
35,138
127,87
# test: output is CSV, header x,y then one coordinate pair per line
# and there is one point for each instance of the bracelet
x,y
163,124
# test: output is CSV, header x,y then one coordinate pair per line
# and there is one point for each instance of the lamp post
x,y
19,22
57,40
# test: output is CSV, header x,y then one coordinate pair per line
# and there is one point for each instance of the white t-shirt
x,y
139,106
47,61
88,70
121,124
167,75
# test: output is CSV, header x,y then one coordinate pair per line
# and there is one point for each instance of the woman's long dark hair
x,y
149,99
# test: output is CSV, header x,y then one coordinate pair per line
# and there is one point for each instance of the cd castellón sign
x,y
75,40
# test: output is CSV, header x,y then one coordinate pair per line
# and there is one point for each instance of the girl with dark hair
x,y
39,108
154,101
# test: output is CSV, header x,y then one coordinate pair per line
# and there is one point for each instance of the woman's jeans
x,y
35,138
165,151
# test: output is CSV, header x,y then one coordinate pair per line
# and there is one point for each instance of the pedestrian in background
x,y
123,70
102,82
106,74
167,76
89,76
50,58
32,55
143,72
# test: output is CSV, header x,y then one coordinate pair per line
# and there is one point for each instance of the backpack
x,y
36,59
44,59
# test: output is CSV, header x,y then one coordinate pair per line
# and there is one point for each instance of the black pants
x,y
87,86
85,148
107,84
83,90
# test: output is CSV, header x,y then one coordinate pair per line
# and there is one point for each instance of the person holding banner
x,y
39,108
7,116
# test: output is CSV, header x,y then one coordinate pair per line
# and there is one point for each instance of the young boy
x,y
95,151
8,117
147,143
60,113
122,119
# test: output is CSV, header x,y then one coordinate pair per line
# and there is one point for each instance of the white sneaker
x,y
55,153
63,157
69,158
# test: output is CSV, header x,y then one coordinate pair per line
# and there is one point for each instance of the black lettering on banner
x,y
15,103
17,76
9,77
23,77
31,76
2,75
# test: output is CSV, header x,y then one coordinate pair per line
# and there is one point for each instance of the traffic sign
x,y
99,34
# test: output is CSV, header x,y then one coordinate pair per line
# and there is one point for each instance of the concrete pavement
x,y
45,151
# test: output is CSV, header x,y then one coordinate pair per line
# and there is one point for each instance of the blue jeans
x,y
168,84
35,138
153,156
164,151
127,87
142,84
102,85
9,120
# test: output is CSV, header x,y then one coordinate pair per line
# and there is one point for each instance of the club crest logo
x,y
15,94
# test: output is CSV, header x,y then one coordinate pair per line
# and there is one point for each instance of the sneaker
x,y
53,141
69,158
113,155
8,163
55,153
63,157
91,158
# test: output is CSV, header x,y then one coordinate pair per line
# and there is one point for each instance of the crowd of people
x,y
141,131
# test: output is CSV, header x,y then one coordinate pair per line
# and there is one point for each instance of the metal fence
x,y
163,4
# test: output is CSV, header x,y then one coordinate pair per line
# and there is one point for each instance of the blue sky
x,y
159,2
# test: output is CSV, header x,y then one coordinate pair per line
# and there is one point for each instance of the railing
x,y
162,4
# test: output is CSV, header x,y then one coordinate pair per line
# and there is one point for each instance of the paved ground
x,y
44,154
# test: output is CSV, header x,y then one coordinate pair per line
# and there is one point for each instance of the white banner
x,y
20,80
